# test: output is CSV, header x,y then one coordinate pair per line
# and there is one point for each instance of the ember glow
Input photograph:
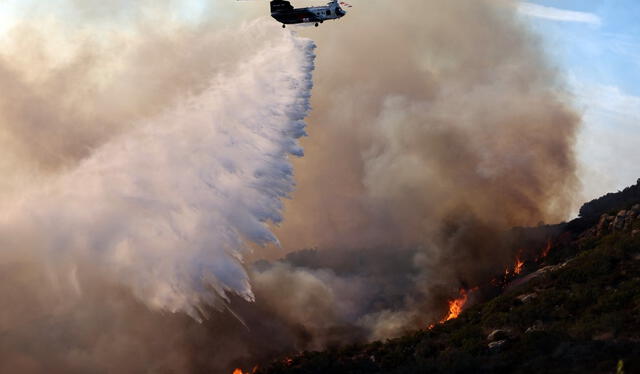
x,y
456,305
545,251
518,267
239,371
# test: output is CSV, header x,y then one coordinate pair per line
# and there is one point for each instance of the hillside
x,y
575,308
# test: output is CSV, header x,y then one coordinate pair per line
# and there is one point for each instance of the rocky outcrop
x,y
611,202
497,335
537,326
498,338
623,221
527,298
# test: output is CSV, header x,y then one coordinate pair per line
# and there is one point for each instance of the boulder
x,y
497,335
526,298
604,336
619,221
524,280
604,225
537,326
497,345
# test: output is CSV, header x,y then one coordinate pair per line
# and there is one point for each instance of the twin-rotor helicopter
x,y
285,13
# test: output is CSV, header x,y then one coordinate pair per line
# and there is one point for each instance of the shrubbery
x,y
581,318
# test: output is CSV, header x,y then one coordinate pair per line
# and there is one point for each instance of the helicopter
x,y
285,13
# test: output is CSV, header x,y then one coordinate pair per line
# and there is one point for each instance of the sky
x,y
595,45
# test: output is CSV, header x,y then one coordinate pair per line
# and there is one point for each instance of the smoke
x,y
143,153
450,109
436,127
168,204
140,161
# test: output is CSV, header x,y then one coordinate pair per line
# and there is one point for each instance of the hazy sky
x,y
596,45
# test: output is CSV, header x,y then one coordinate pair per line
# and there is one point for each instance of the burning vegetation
x,y
240,371
572,306
456,305
517,268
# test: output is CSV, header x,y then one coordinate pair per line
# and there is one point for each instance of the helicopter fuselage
x,y
286,14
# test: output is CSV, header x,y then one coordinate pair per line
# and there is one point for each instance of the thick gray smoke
x,y
431,110
436,127
141,155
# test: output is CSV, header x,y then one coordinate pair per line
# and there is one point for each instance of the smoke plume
x,y
436,128
428,111
138,162
143,150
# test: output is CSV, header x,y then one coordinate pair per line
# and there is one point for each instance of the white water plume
x,y
166,208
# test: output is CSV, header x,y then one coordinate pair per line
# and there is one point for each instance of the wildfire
x,y
547,249
456,305
239,371
517,269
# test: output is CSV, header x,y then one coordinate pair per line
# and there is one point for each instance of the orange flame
x,y
239,371
517,269
456,305
546,251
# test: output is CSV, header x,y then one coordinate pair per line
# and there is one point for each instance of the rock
x,y
524,280
526,298
496,335
604,224
532,329
619,221
628,220
497,345
604,337
636,208
634,233
561,350
537,326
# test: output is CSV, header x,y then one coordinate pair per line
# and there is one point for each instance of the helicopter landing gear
x,y
283,25
316,24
